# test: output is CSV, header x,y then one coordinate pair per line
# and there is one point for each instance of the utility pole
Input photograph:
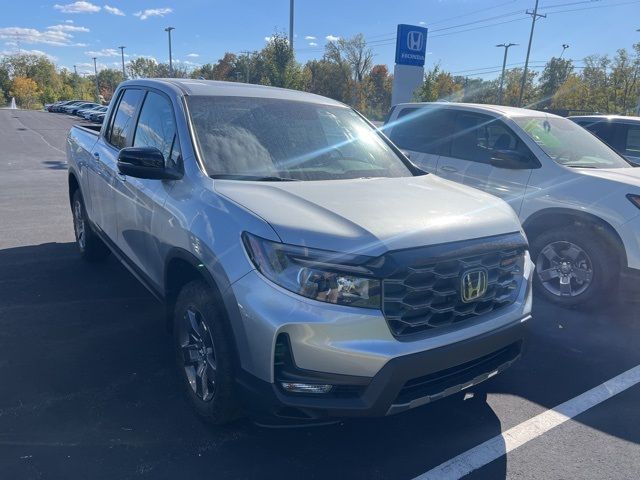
x,y
168,30
564,47
291,2
248,63
534,16
95,69
506,47
124,75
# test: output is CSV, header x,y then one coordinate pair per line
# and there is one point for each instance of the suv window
x,y
157,127
120,131
477,136
423,130
632,145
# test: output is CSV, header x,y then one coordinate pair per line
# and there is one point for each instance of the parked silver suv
x,y
310,271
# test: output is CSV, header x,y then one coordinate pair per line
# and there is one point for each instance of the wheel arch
x,y
549,218
74,185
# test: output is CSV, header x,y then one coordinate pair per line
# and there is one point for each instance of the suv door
x,y
140,201
474,142
103,179
423,133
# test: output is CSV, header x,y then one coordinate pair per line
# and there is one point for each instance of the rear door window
x,y
424,130
120,131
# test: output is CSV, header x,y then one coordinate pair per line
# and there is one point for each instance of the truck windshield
x,y
264,139
569,144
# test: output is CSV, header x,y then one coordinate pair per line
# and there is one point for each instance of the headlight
x,y
319,274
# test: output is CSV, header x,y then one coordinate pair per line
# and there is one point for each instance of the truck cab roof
x,y
191,87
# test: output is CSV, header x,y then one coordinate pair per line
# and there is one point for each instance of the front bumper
x,y
403,383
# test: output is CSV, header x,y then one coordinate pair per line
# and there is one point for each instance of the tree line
x,y
347,73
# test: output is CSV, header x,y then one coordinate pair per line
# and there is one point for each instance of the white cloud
x,y
113,10
105,52
78,7
67,28
332,38
68,21
422,23
56,36
268,39
313,44
310,37
193,55
153,12
31,52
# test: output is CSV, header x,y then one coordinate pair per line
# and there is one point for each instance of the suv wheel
x,y
204,354
91,247
573,267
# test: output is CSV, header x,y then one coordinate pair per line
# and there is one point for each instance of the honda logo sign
x,y
411,45
414,40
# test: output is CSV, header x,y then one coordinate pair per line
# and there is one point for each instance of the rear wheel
x,y
91,247
574,266
204,354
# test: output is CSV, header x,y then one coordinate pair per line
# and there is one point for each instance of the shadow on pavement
x,y
89,389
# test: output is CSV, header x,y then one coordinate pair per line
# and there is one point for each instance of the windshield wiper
x,y
254,178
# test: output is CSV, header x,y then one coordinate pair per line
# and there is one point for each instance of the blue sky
x,y
461,38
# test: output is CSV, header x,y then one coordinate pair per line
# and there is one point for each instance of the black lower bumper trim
x,y
404,382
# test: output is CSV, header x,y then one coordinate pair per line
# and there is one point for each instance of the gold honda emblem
x,y
474,285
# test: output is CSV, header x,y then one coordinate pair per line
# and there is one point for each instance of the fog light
x,y
295,387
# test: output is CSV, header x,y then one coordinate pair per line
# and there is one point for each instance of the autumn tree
x,y
280,67
26,92
555,73
142,67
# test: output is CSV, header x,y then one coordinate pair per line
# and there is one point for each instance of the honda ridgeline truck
x,y
309,270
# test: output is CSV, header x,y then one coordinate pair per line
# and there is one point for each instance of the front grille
x,y
426,294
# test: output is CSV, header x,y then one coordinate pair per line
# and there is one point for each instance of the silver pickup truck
x,y
309,270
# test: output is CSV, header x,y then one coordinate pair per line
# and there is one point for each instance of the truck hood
x,y
626,176
372,216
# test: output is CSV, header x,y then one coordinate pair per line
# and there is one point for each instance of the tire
x,y
92,249
204,354
575,266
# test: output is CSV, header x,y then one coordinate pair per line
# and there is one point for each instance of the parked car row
x,y
91,111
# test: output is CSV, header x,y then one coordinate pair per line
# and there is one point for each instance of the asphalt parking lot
x,y
88,389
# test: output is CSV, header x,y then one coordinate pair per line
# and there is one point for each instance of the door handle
x,y
449,168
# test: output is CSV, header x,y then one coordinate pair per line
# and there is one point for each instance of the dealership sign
x,y
411,45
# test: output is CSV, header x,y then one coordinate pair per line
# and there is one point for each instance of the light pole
x,y
95,69
168,30
564,47
124,75
506,47
291,2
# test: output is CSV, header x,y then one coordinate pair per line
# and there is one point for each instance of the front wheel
x,y
574,266
204,354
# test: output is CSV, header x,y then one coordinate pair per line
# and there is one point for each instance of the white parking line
x,y
528,430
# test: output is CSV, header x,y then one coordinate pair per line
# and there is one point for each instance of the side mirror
x,y
510,159
145,162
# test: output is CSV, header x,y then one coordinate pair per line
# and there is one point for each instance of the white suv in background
x,y
578,200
